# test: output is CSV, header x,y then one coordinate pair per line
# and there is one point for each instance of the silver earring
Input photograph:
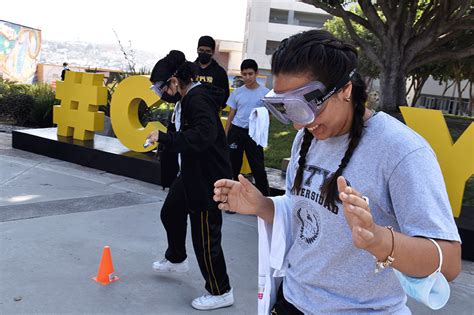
x,y
347,99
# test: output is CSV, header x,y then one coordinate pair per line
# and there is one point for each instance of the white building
x,y
270,21
432,97
229,55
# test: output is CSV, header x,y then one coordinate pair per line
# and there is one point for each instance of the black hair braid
x,y
307,139
359,96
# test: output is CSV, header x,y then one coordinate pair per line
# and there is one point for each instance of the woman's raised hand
x,y
242,196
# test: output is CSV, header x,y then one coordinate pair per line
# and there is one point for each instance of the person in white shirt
x,y
242,102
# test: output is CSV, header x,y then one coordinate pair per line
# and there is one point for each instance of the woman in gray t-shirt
x,y
334,239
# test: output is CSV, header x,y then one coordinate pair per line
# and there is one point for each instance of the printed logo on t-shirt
x,y
312,173
204,79
309,223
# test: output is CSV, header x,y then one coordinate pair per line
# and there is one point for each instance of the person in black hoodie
x,y
209,70
63,72
199,140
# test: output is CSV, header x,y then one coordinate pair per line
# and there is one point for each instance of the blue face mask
x,y
433,290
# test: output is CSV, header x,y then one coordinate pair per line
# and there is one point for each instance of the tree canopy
x,y
401,36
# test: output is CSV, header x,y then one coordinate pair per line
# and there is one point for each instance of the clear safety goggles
x,y
301,106
158,87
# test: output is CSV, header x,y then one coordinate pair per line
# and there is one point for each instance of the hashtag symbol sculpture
x,y
80,94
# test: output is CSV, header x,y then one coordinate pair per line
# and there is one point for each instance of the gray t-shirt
x,y
397,169
244,100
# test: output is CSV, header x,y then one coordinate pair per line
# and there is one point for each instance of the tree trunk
x,y
392,89
465,107
419,83
447,85
471,103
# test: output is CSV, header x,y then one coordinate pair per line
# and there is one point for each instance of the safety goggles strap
x,y
320,98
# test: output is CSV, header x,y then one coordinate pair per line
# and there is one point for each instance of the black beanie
x,y
207,41
167,66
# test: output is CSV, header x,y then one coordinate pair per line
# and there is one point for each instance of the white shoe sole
x,y
208,308
171,270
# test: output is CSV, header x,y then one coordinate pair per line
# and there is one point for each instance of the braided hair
x,y
324,58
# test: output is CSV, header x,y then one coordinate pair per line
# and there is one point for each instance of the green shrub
x,y
157,112
4,88
15,103
42,112
18,107
16,88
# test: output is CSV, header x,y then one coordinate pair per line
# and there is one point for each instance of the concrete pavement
x,y
55,218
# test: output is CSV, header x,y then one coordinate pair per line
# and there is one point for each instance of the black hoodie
x,y
202,144
216,75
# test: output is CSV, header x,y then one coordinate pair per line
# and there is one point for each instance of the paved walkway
x,y
55,218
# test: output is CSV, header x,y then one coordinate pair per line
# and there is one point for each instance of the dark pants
x,y
206,234
240,141
282,306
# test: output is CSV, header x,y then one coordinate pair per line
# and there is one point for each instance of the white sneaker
x,y
212,302
165,265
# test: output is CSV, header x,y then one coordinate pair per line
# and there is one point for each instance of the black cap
x,y
167,66
207,41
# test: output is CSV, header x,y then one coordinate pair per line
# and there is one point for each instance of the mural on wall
x,y
20,47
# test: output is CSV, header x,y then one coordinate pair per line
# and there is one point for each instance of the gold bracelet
x,y
379,265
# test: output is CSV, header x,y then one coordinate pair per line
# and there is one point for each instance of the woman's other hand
x,y
358,216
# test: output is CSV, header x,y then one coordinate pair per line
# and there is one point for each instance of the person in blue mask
x,y
364,193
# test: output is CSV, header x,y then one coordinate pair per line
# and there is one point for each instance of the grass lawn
x,y
281,137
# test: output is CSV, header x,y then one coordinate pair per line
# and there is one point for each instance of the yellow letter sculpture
x,y
124,112
456,160
80,94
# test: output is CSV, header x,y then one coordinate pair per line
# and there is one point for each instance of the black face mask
x,y
204,58
171,98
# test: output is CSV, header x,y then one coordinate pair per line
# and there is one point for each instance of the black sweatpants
x,y
206,234
240,141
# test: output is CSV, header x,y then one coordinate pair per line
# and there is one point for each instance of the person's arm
x,y
421,206
230,118
202,132
418,256
414,256
243,197
223,83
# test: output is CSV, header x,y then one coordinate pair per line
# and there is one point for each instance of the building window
x,y
271,47
278,16
449,105
309,19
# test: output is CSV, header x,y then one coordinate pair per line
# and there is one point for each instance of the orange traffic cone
x,y
106,269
